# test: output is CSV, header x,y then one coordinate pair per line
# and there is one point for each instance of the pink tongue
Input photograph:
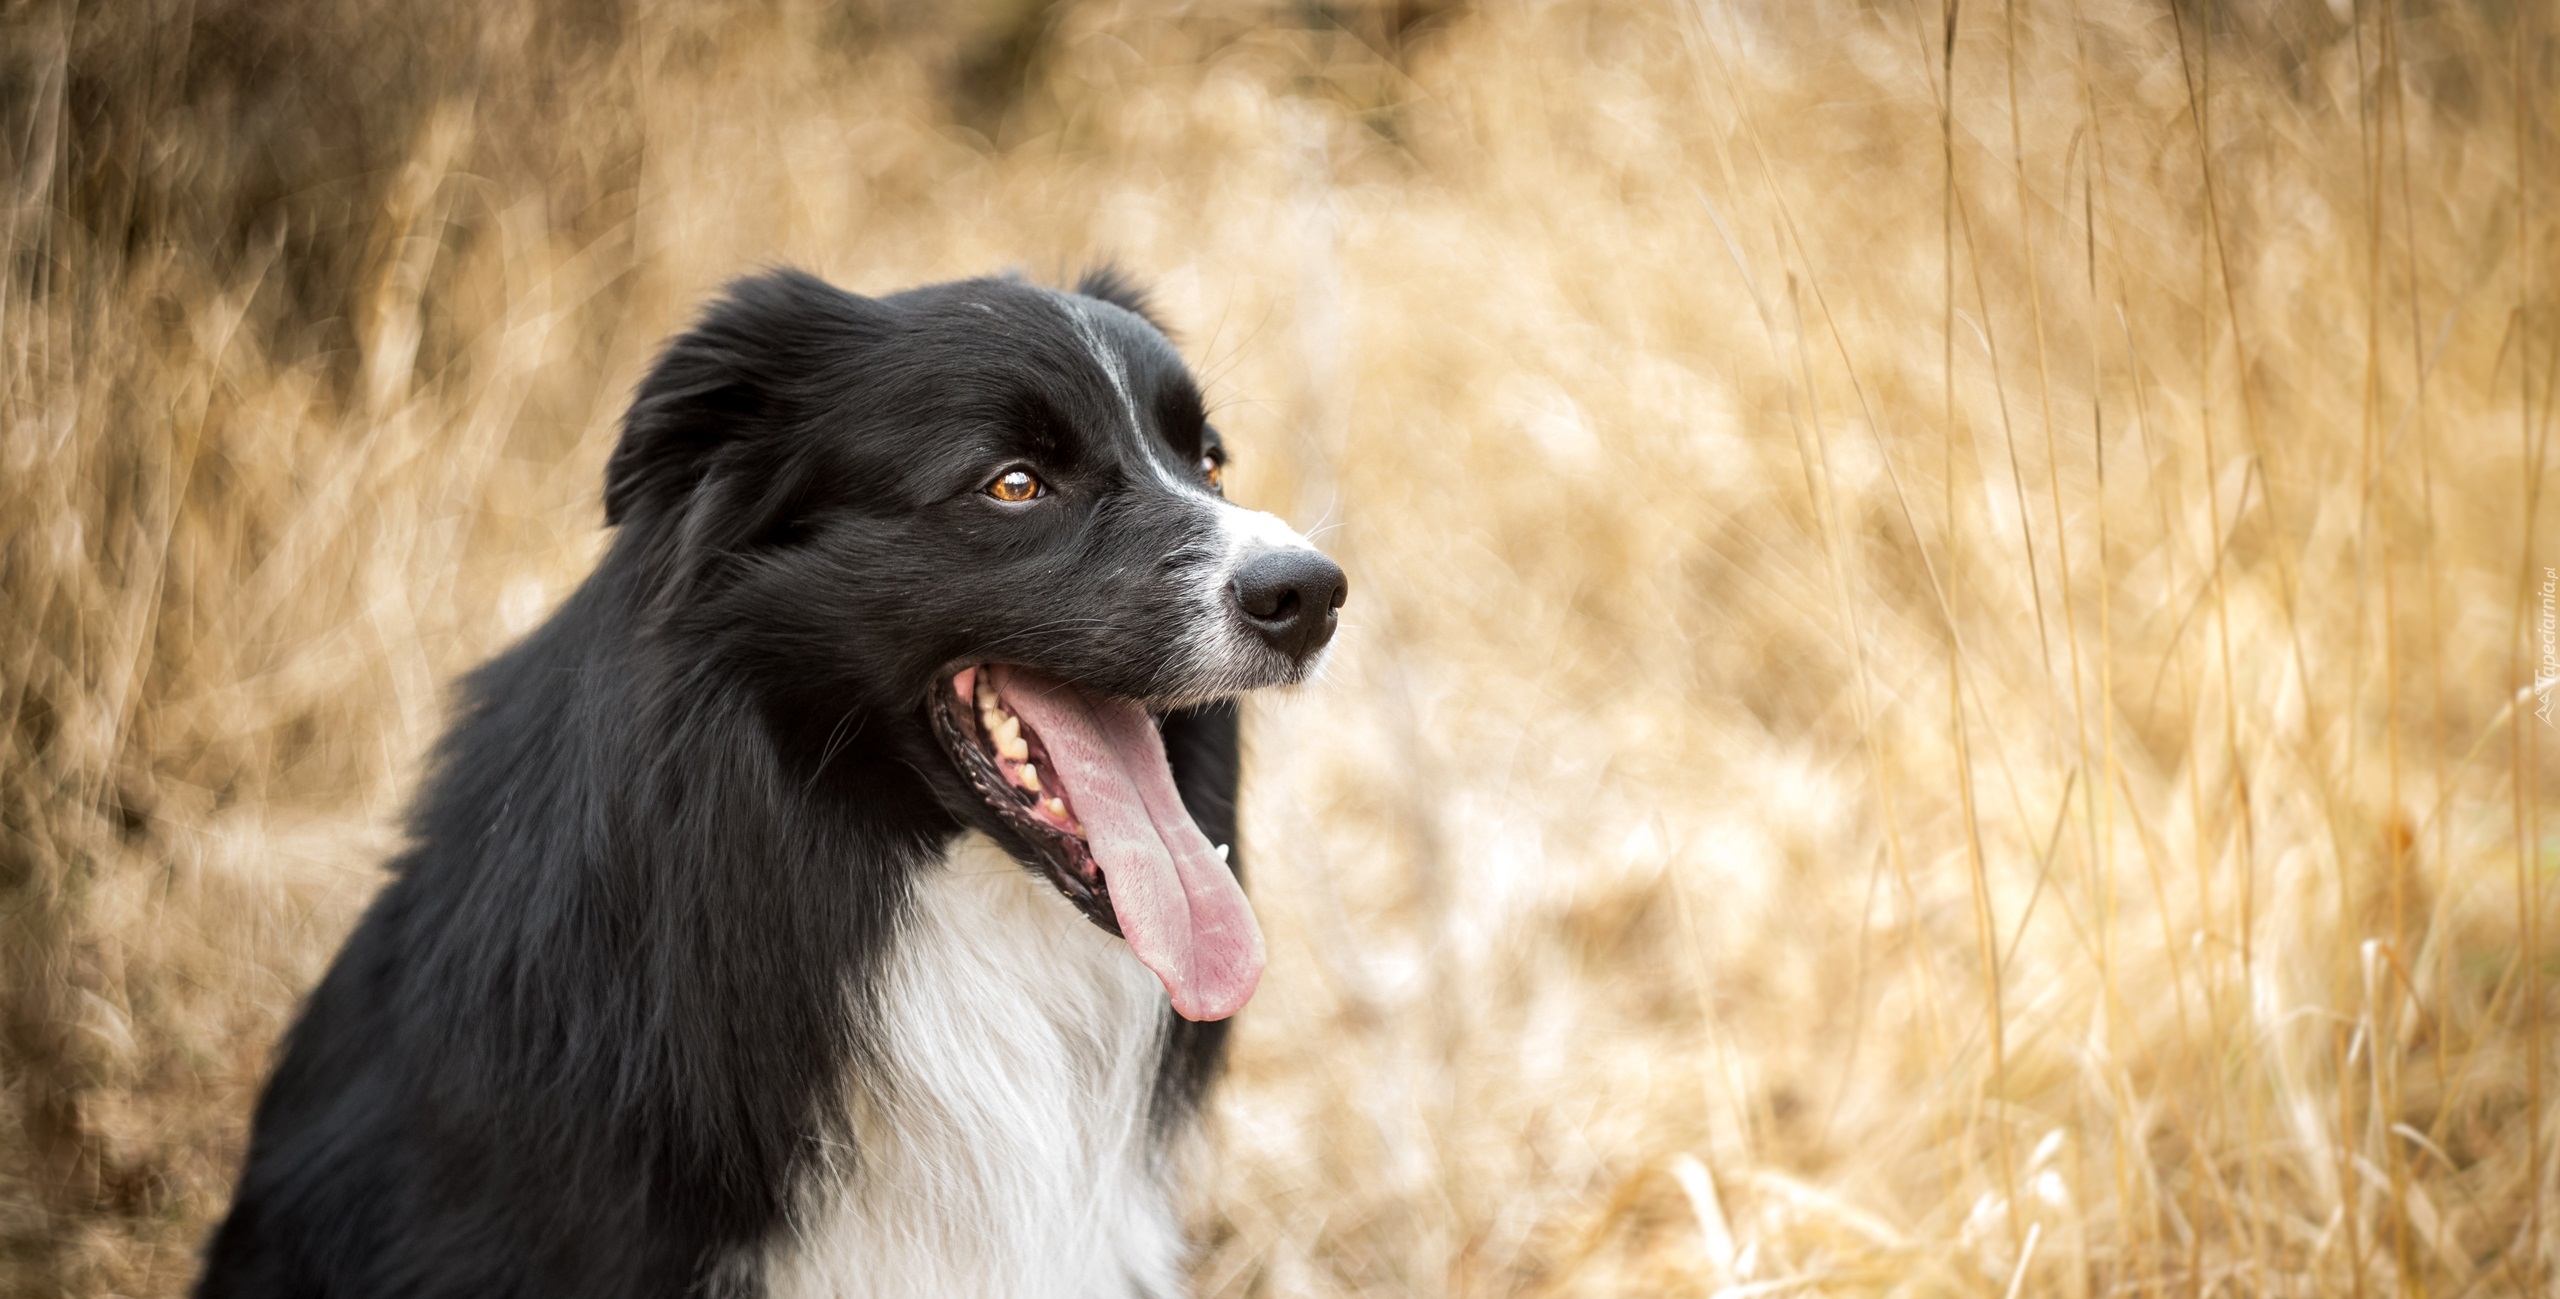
x,y
1178,904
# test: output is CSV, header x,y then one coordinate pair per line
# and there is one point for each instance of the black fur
x,y
589,1037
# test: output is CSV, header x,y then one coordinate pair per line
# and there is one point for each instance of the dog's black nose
x,y
1289,597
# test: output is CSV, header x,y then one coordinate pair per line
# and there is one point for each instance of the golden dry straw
x,y
1941,698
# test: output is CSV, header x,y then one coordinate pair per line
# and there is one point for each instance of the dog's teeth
x,y
1057,808
1222,852
1008,739
1029,777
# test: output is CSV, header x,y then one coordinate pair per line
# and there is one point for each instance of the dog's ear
x,y
1108,283
725,392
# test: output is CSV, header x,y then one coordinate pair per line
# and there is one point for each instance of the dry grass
x,y
1893,737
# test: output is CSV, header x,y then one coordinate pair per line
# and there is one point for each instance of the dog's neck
x,y
1000,1139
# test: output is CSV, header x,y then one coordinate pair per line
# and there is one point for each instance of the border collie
x,y
837,896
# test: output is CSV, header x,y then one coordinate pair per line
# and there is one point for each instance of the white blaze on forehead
x,y
1080,313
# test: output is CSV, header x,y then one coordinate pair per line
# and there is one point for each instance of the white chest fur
x,y
1003,1150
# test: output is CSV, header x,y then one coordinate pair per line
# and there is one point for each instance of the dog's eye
x,y
1215,472
1015,486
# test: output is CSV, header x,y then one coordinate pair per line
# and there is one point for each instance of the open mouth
x,y
1083,779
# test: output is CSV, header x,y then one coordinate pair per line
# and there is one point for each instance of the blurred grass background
x,y
1940,694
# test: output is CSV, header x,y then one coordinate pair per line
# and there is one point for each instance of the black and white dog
x,y
836,896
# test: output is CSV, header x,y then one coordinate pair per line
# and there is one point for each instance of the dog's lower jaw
x,y
1005,1146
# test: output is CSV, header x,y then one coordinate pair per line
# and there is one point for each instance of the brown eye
x,y
1215,472
1014,486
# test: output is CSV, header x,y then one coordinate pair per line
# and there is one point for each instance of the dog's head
x,y
987,518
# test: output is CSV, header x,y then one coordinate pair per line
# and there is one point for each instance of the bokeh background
x,y
1940,692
